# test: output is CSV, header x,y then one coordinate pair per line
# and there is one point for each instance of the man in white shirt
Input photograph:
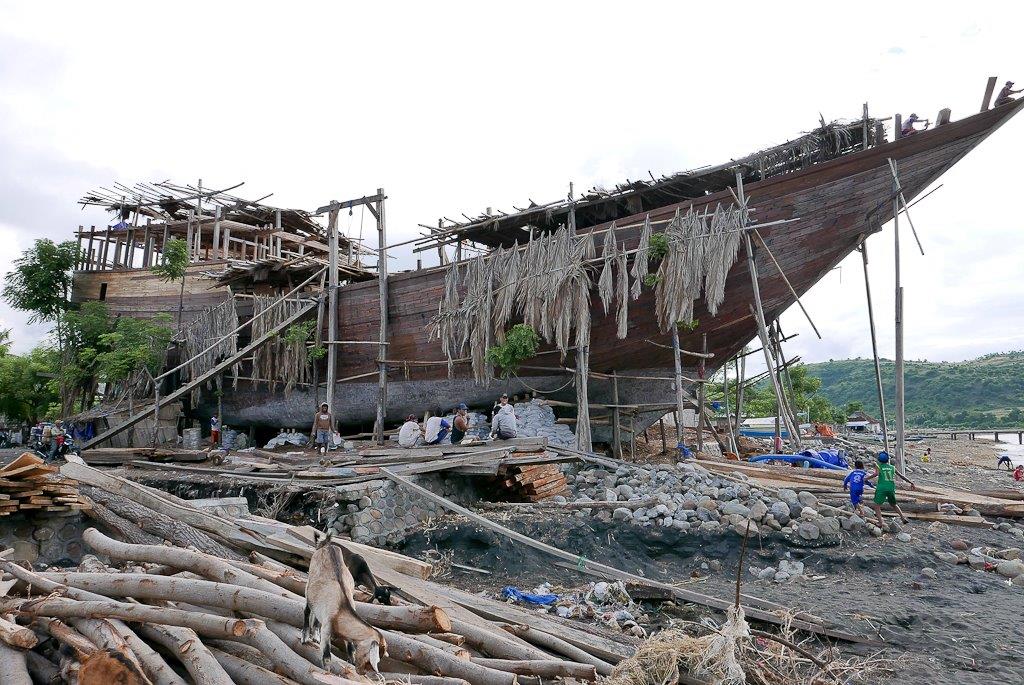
x,y
436,430
409,434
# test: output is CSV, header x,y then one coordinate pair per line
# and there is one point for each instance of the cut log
x,y
186,646
124,529
58,607
65,634
16,636
203,564
13,666
422,679
455,651
560,646
542,669
160,525
290,664
243,672
236,598
439,662
104,635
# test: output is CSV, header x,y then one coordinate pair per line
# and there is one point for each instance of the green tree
x,y
174,267
854,406
26,387
134,345
41,282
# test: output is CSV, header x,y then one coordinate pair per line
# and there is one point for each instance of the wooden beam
x,y
990,89
382,280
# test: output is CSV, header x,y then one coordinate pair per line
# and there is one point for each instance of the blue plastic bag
x,y
512,592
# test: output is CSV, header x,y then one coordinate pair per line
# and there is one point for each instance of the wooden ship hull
x,y
832,207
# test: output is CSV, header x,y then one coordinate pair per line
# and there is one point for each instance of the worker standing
x,y
323,428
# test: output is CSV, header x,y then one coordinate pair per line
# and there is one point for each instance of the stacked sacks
x,y
536,419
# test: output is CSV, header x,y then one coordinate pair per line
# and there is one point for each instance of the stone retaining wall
x,y
48,540
378,512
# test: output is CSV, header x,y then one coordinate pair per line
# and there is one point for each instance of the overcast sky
x,y
456,107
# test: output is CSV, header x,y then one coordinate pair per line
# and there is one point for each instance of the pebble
x,y
808,531
948,557
960,545
621,514
903,537
929,572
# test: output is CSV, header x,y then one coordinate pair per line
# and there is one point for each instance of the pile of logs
x,y
30,485
532,483
221,604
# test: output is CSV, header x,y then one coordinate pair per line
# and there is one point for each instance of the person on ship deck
x,y
1004,95
908,126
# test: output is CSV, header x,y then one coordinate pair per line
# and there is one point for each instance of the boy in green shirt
x,y
885,487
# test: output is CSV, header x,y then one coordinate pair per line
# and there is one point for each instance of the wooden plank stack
x,y
28,484
532,482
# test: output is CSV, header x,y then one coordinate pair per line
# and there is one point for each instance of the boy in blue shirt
x,y
855,483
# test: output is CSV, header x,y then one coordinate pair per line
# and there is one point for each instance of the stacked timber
x,y
30,485
532,482
169,613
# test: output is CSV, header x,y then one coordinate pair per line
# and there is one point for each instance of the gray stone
x,y
1010,568
947,557
1009,553
789,496
808,513
829,525
808,531
758,510
960,545
710,527
929,572
808,499
622,514
681,525
793,568
624,491
766,574
42,533
610,495
781,577
734,508
904,537
365,502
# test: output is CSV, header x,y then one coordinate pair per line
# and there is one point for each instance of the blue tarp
x,y
512,592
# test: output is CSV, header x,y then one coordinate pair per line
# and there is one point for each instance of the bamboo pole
x,y
874,346
382,280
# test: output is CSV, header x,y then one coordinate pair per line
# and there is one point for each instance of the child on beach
x,y
855,484
885,488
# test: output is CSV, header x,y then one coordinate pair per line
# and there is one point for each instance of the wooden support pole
x,y
382,280
217,251
616,429
678,382
664,444
741,371
864,132
146,245
332,306
758,311
900,414
106,249
784,377
701,394
874,346
163,245
78,254
725,398
89,259
189,236
990,89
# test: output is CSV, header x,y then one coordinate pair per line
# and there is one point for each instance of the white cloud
x,y
454,108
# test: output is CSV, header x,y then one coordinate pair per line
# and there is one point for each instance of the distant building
x,y
862,422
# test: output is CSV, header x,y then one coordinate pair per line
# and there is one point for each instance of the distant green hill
x,y
986,392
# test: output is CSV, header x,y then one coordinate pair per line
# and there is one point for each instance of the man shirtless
x,y
323,427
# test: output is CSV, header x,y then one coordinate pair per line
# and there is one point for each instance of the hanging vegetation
x,y
547,285
213,323
285,358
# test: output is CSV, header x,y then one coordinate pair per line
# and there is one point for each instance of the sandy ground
x,y
962,627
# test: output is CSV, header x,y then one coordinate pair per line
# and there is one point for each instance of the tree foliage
x,y
175,261
41,281
521,343
27,391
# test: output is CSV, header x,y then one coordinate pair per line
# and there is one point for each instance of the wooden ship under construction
x,y
255,270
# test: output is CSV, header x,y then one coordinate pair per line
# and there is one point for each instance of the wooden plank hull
x,y
834,205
